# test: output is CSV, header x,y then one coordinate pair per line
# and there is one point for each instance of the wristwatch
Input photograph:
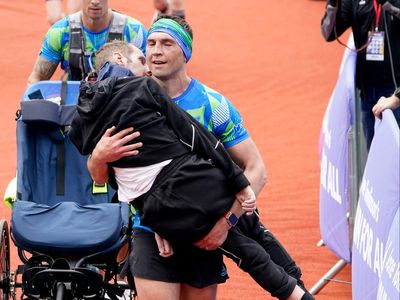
x,y
231,218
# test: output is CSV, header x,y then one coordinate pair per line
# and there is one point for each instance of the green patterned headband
x,y
177,32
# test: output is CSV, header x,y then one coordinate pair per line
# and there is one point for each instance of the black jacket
x,y
166,130
360,16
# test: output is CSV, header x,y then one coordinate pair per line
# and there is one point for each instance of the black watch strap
x,y
397,92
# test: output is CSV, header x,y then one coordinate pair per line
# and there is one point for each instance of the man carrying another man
x,y
168,51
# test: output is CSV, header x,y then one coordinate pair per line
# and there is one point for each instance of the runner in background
x,y
93,25
169,7
55,12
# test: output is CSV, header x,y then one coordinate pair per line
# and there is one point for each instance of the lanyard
x,y
377,9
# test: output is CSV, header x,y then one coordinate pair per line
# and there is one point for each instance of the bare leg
x,y
169,7
73,6
192,293
156,290
160,5
176,8
177,4
54,11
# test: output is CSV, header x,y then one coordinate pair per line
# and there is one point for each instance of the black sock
x,y
307,296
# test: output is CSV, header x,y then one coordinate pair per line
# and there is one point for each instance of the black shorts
x,y
189,264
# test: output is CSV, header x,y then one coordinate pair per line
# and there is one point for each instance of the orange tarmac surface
x,y
270,60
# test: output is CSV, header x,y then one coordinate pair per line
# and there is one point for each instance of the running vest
x,y
76,38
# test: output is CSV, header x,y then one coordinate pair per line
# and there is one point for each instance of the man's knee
x,y
156,290
192,293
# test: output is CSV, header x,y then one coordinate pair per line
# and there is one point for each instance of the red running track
x,y
269,59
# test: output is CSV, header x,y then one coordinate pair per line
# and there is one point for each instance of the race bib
x,y
375,49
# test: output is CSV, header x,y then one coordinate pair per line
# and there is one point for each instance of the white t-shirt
x,y
133,182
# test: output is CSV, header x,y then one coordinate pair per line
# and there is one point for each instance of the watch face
x,y
232,219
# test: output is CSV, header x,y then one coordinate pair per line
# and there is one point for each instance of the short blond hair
x,y
107,51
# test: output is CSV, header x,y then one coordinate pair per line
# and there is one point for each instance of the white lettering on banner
x,y
330,178
381,295
326,132
390,264
379,257
384,261
363,238
333,183
392,269
324,169
367,192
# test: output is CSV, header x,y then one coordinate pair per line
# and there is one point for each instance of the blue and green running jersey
x,y
213,111
55,47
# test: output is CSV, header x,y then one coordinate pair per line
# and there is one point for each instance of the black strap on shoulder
x,y
117,27
76,36
60,163
60,171
63,93
75,46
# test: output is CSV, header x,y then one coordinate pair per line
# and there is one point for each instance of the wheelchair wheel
x,y
4,261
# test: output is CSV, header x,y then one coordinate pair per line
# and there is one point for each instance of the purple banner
x,y
389,283
375,260
334,198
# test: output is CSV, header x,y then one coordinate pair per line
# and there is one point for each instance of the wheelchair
x,y
68,231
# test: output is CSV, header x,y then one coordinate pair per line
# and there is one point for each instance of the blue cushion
x,y
68,227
